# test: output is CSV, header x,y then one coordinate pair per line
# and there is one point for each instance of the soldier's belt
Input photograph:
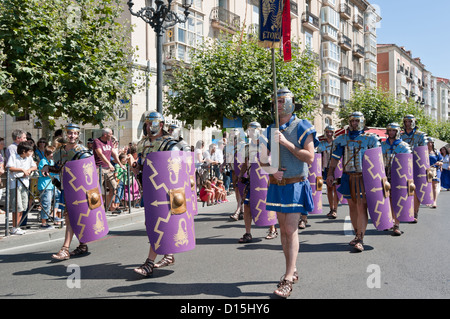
x,y
285,181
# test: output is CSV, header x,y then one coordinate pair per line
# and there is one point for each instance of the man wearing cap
x,y
64,153
156,139
351,147
391,146
325,148
414,138
291,149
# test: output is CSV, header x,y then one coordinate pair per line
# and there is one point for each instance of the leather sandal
x,y
285,289
332,214
294,279
272,234
63,254
359,245
396,230
167,260
247,238
146,269
80,250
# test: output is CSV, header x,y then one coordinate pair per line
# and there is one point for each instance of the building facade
x,y
340,33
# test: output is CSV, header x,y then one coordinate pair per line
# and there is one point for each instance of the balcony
x,y
310,21
358,21
225,20
345,42
294,9
359,78
344,11
329,33
345,73
358,51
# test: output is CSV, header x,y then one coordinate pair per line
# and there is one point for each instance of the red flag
x,y
286,26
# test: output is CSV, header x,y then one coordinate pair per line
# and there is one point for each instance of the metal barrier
x,y
35,199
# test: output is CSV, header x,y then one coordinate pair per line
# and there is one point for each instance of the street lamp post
x,y
159,15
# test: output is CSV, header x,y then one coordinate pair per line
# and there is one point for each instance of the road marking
x,y
348,228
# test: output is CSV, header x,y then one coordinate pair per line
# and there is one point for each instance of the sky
x,y
422,27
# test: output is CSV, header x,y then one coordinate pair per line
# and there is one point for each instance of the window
x,y
331,50
184,37
309,41
329,16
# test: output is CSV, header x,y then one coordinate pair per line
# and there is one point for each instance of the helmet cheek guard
x,y
357,116
154,120
286,98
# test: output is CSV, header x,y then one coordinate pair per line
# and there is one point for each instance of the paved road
x,y
414,265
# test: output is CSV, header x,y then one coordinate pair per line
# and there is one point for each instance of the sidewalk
x,y
36,235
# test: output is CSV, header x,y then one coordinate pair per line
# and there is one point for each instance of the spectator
x,y
2,170
103,151
122,177
445,176
207,193
46,187
21,165
90,143
218,158
40,149
17,137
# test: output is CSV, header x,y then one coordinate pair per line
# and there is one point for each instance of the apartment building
x,y
340,33
405,76
442,99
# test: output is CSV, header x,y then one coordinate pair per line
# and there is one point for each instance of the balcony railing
x,y
358,51
359,78
358,21
345,73
310,21
225,20
345,42
345,12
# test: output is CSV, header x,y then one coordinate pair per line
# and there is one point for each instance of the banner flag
x,y
286,25
270,23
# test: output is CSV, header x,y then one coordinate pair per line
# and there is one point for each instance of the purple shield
x,y
402,187
316,181
169,214
421,165
84,203
377,193
259,180
338,174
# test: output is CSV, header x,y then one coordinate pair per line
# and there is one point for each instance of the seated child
x,y
207,193
221,193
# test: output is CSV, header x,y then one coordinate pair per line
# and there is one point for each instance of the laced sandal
x,y
302,224
285,289
167,260
272,234
396,230
333,214
82,249
294,279
235,216
63,254
146,269
247,238
359,245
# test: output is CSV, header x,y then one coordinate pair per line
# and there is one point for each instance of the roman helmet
x,y
357,116
255,128
394,126
330,128
72,127
412,118
287,99
154,120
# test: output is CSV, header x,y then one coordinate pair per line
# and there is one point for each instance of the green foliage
x,y
64,59
232,78
381,108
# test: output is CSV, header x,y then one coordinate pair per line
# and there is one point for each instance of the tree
x,y
64,59
232,77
